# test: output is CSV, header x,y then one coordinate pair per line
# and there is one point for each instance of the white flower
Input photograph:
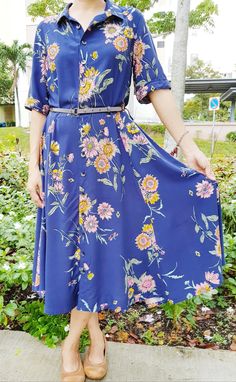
x,y
230,310
17,225
29,217
6,266
21,265
205,309
149,318
67,328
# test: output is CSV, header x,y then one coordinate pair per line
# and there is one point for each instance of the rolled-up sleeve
x,y
148,74
37,98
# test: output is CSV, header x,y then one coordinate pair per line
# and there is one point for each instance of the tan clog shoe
x,y
77,375
96,370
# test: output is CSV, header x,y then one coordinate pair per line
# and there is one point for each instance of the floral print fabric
x,y
123,221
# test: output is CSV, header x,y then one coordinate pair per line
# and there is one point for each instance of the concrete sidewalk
x,y
25,359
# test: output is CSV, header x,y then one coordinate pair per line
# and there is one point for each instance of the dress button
x,y
84,42
83,62
83,173
82,154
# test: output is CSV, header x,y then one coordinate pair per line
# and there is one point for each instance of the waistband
x,y
78,110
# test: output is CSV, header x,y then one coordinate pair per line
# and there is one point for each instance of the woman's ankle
x,y
71,344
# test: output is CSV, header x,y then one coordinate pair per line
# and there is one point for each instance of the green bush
x,y
231,136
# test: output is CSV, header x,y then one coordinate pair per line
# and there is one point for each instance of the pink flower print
x,y
130,281
44,65
102,121
212,277
51,127
204,189
146,283
106,131
217,232
45,109
91,223
202,288
141,92
81,68
86,267
125,140
137,297
70,157
58,187
105,210
104,305
90,146
140,139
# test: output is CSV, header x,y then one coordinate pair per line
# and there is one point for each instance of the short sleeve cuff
x,y
34,104
145,88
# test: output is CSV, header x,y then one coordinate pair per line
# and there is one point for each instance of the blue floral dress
x,y
123,221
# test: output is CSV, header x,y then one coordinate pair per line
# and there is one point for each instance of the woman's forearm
x,y
36,125
165,105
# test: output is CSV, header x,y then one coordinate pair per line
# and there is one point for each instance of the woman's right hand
x,y
34,186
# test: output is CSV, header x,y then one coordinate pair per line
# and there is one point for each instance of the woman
x,y
119,220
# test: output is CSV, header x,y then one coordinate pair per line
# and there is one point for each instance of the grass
x,y
8,137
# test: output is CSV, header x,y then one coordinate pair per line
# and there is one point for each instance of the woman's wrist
x,y
187,145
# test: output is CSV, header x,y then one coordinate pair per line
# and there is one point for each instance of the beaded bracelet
x,y
175,150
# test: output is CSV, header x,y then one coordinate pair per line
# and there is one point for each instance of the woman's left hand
x,y
197,160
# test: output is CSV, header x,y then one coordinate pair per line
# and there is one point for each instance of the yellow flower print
x,y
86,87
118,309
85,204
55,147
102,121
218,248
148,228
31,101
138,67
130,292
91,72
57,174
90,275
77,254
52,66
102,164
121,43
132,128
143,241
128,32
94,55
108,148
139,49
151,198
86,129
52,87
53,50
117,116
80,220
149,183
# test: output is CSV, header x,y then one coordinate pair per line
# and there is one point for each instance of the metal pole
x,y
213,133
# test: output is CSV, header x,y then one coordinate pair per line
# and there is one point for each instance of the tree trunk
x,y
179,63
18,105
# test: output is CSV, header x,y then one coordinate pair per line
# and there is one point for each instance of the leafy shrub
x,y
231,136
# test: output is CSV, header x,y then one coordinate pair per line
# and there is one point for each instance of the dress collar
x,y
110,9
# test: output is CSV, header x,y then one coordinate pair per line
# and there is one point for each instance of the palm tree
x,y
179,59
17,56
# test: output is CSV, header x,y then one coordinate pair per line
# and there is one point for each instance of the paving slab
x,y
24,358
